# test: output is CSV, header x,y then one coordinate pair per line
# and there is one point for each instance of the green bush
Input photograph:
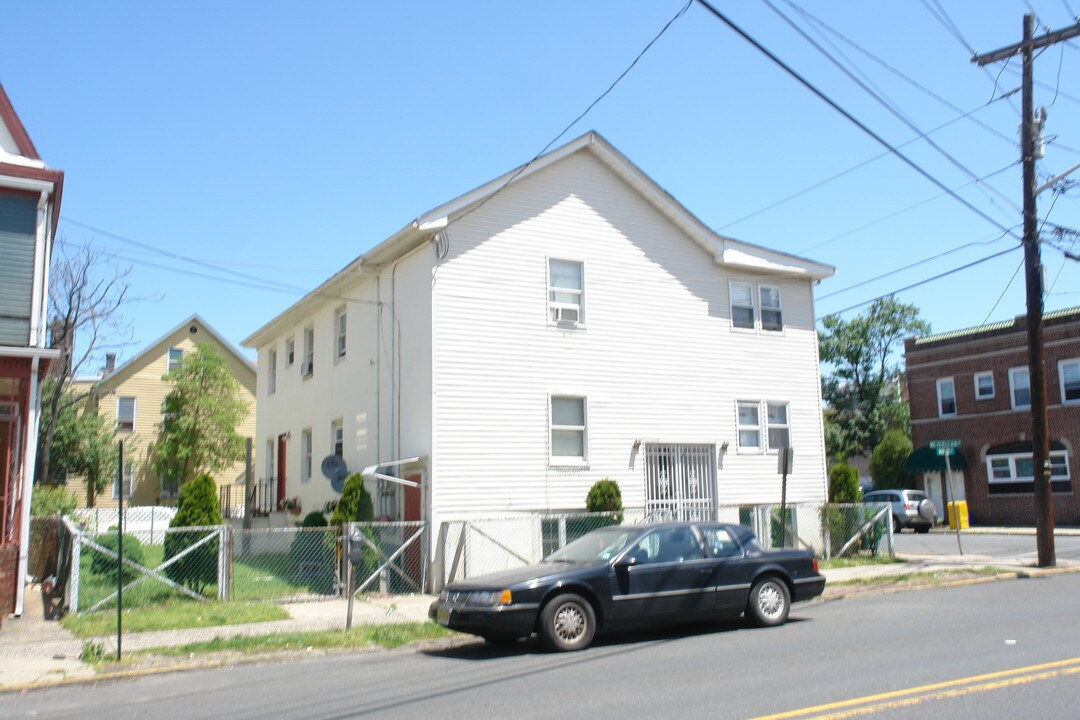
x,y
844,484
888,459
51,500
197,506
101,564
355,504
604,497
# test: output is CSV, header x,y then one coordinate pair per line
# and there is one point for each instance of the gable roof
x,y
14,139
148,351
20,165
724,250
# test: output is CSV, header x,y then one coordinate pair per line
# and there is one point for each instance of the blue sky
x,y
281,140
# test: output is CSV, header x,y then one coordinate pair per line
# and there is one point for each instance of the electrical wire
x,y
851,118
1002,295
921,282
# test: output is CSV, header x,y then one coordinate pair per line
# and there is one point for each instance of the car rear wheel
x,y
769,602
567,623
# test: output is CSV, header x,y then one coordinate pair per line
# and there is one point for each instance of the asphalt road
x,y
950,652
1020,548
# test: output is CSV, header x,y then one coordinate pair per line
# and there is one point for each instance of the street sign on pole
x,y
940,444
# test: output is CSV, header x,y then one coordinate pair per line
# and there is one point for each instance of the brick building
x,y
972,385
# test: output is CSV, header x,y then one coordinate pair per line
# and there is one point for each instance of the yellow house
x,y
131,397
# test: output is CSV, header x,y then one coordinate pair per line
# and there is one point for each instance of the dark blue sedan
x,y
628,576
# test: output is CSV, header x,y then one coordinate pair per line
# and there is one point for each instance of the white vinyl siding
x,y
946,397
1019,388
984,385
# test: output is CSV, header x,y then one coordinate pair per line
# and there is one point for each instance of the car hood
x,y
519,576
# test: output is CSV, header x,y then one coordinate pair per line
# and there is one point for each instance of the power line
x,y
921,282
1002,295
851,118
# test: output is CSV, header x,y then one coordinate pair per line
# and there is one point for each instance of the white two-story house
x,y
567,322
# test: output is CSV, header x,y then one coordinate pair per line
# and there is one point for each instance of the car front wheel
x,y
769,603
567,623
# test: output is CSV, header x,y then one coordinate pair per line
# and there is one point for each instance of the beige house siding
x,y
141,379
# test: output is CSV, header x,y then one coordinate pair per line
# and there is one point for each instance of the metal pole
x,y
120,556
350,579
952,497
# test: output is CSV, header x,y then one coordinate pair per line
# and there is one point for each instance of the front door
x,y
281,465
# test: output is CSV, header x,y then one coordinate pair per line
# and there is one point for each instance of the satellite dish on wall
x,y
335,469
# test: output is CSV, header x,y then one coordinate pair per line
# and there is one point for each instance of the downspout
x,y
29,462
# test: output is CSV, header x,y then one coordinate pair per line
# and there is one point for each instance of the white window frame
x,y
1061,379
749,287
307,364
770,425
741,427
337,438
128,481
171,362
1013,372
290,351
558,308
341,326
582,429
305,455
975,379
1014,477
778,308
271,372
951,384
134,403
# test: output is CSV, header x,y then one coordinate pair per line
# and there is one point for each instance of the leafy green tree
x,y
355,504
201,414
197,506
888,459
52,500
862,390
82,444
844,484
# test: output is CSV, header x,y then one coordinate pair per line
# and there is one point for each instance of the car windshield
x,y
598,546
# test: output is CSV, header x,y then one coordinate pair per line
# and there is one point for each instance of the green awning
x,y
926,459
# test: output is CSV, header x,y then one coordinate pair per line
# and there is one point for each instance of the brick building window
x,y
984,385
1019,387
1069,376
946,397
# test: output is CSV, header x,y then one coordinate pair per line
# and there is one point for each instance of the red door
x,y
281,465
414,512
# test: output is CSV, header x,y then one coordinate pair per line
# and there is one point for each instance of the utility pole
x,y
1040,435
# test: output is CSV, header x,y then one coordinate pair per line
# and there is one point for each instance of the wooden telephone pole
x,y
1040,436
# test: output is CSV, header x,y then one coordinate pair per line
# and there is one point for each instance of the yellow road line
x,y
942,690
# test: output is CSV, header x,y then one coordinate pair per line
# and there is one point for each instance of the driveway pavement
x,y
36,650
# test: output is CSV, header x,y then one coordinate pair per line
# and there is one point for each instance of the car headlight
x,y
492,597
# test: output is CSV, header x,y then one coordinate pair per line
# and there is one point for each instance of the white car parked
x,y
910,508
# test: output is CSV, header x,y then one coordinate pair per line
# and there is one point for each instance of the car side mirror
x,y
626,562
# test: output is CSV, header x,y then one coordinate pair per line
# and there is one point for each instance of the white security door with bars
x,y
680,481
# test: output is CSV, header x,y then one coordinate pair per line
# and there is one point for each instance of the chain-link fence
x,y
388,557
285,564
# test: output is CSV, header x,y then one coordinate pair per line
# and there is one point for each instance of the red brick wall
x,y
980,424
9,569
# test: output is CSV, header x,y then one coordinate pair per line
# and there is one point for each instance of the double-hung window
x,y
290,352
742,304
779,434
1019,387
129,478
307,365
772,316
305,455
749,426
1014,472
340,326
337,438
946,397
566,292
568,438
175,356
271,373
984,385
1069,376
125,414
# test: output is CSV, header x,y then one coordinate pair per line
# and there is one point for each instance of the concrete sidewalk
x,y
36,650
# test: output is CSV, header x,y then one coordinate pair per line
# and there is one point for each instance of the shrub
x,y
102,564
355,504
888,459
197,506
844,484
604,496
51,500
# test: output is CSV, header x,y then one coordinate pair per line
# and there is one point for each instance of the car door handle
x,y
704,572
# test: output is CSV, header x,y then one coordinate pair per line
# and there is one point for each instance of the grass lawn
x,y
388,636
172,615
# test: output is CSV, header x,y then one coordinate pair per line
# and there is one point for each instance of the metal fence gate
x,y
680,482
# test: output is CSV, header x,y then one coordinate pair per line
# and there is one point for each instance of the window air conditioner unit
x,y
565,314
